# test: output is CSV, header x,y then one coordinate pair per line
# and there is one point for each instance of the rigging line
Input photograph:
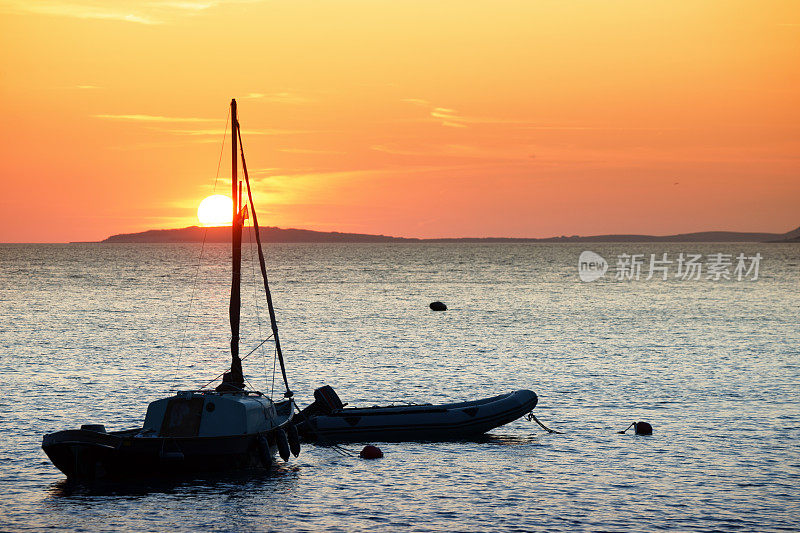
x,y
243,358
200,258
273,322
189,309
255,300
258,317
248,383
264,360
255,293
274,359
222,150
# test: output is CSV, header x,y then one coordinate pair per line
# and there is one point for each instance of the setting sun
x,y
216,210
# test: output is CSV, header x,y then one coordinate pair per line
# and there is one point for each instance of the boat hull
x,y
419,422
89,455
180,448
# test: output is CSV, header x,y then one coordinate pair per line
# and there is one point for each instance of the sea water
x,y
91,333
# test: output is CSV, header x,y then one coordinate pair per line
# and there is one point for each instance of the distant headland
x,y
275,235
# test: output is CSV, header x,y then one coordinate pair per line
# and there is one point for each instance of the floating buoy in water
x,y
438,306
371,452
640,428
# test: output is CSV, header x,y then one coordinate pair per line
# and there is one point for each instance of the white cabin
x,y
209,414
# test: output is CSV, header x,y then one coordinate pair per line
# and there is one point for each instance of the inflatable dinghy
x,y
327,421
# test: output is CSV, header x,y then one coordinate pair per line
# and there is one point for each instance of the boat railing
x,y
220,392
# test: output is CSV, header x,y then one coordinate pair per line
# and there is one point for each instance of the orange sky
x,y
411,117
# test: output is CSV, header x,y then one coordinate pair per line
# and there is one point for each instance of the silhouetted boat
x,y
227,428
328,421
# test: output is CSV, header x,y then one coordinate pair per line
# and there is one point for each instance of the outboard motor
x,y
326,401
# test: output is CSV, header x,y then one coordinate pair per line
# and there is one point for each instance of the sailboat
x,y
222,429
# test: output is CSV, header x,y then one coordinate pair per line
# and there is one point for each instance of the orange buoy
x,y
371,452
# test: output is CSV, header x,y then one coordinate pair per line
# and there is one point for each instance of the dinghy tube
x,y
325,422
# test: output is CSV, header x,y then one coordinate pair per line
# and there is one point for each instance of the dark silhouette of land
x,y
274,234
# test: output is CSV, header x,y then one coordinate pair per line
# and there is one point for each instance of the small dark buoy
x,y
438,306
640,428
371,452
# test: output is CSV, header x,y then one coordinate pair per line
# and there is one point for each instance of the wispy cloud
x,y
269,171
308,151
416,101
530,125
199,132
172,125
282,98
448,117
302,184
451,118
444,115
139,12
127,12
154,118
189,6
459,151
161,144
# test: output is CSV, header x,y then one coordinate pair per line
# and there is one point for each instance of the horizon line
x,y
423,239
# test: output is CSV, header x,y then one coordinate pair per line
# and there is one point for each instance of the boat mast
x,y
236,377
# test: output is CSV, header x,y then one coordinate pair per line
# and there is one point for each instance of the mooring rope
x,y
627,428
344,452
531,416
338,448
641,428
